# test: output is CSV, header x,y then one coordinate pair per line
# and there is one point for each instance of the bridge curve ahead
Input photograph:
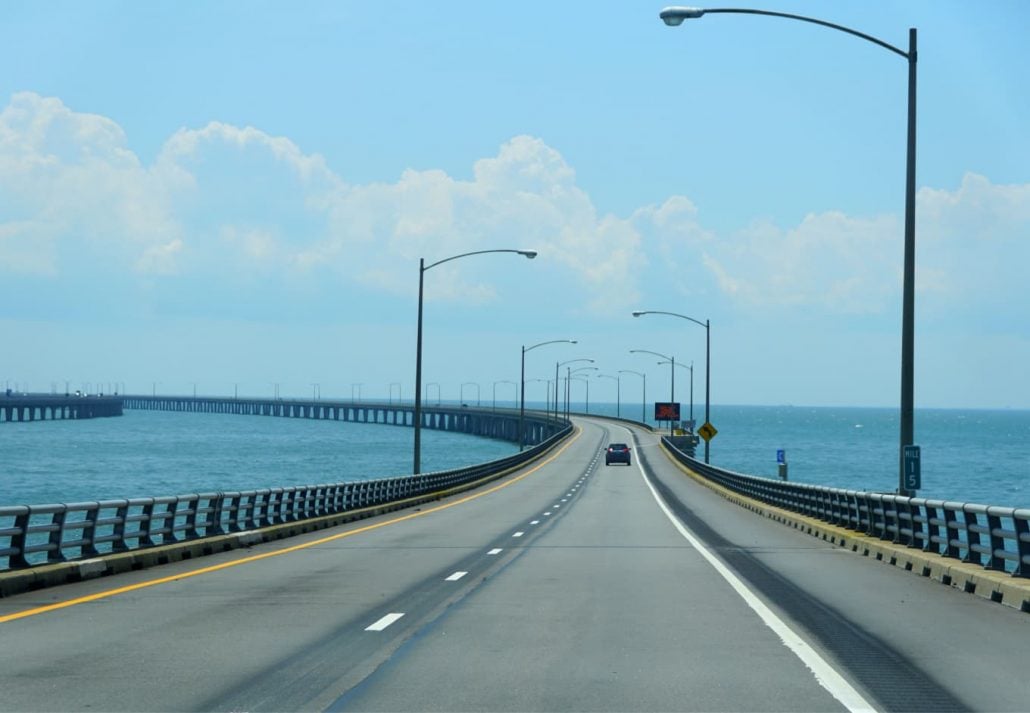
x,y
568,585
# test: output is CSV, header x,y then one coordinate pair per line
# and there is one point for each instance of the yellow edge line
x,y
254,558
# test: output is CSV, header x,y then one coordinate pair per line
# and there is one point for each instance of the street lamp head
x,y
637,312
674,16
528,253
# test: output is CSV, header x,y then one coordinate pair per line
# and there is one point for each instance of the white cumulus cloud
x,y
236,205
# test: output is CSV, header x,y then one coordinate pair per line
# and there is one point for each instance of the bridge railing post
x,y
1021,522
19,538
54,550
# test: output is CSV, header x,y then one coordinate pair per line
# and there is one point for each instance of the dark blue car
x,y
616,453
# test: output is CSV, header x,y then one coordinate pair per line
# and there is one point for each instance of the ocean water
x,y
976,456
152,453
967,455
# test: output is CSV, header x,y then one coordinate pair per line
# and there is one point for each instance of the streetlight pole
x,y
502,381
708,360
461,395
568,388
618,392
587,382
556,365
671,360
691,367
522,392
433,383
691,395
643,397
422,267
547,391
676,15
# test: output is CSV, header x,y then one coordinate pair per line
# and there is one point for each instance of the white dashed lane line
x,y
535,522
456,576
495,551
385,621
518,534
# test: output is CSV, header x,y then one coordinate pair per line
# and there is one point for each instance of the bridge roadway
x,y
565,586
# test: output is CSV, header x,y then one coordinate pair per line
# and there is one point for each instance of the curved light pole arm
x,y
676,15
528,253
552,341
671,314
647,351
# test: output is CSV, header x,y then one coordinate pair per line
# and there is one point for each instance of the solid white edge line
x,y
385,621
825,675
456,576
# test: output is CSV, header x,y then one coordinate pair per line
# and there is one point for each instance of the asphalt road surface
x,y
568,586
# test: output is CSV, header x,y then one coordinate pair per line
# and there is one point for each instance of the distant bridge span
x,y
502,424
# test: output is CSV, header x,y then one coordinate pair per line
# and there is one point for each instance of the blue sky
x,y
235,195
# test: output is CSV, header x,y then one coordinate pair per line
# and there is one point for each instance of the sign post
x,y
781,463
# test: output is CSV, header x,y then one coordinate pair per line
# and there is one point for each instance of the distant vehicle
x,y
617,453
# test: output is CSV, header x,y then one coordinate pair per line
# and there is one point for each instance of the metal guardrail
x,y
996,538
32,535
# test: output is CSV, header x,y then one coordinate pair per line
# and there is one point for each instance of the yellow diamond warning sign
x,y
707,431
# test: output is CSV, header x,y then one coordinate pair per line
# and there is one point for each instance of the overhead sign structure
x,y
666,411
707,431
